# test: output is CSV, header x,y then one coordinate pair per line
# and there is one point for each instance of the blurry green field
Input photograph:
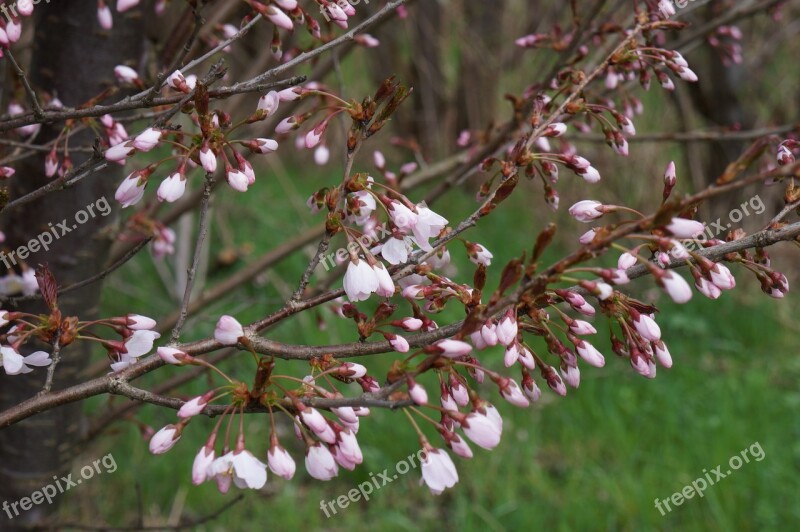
x,y
596,459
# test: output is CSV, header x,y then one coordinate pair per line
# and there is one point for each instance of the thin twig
x,y
322,247
89,280
198,252
38,113
698,136
159,83
51,370
781,215
118,384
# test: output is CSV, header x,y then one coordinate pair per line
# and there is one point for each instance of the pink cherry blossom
x,y
170,355
280,462
586,210
137,322
165,439
385,284
482,430
124,5
507,329
202,461
676,286
147,139
320,463
438,470
131,190
590,354
140,342
125,74
171,188
683,228
119,152
360,280
248,471
512,393
228,330
453,348
237,180
646,327
417,392
194,406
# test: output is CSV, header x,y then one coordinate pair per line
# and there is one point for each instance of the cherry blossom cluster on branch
x,y
394,286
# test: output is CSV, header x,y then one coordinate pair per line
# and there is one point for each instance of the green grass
x,y
596,459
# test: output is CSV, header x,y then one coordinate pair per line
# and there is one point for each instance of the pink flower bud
x,y
453,348
322,155
194,406
147,140
265,146
279,18
125,74
170,355
507,328
590,354
586,210
280,462
286,125
438,470
512,393
676,286
124,5
171,188
582,328
483,431
662,354
587,237
207,159
289,95
237,180
398,343
417,392
137,322
228,331
646,326
268,103
119,152
201,464
683,228
165,439
320,463
131,190
351,370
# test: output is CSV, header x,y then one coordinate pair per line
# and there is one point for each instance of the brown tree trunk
x,y
73,59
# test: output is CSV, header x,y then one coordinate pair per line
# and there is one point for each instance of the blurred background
x,y
596,459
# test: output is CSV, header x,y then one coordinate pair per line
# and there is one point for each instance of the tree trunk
x,y
73,59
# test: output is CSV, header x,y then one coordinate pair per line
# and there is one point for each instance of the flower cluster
x,y
134,330
542,324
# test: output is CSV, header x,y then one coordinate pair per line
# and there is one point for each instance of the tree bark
x,y
74,59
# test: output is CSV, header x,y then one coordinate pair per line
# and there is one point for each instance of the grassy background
x,y
596,459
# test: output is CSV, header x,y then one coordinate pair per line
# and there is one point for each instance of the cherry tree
x,y
87,116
